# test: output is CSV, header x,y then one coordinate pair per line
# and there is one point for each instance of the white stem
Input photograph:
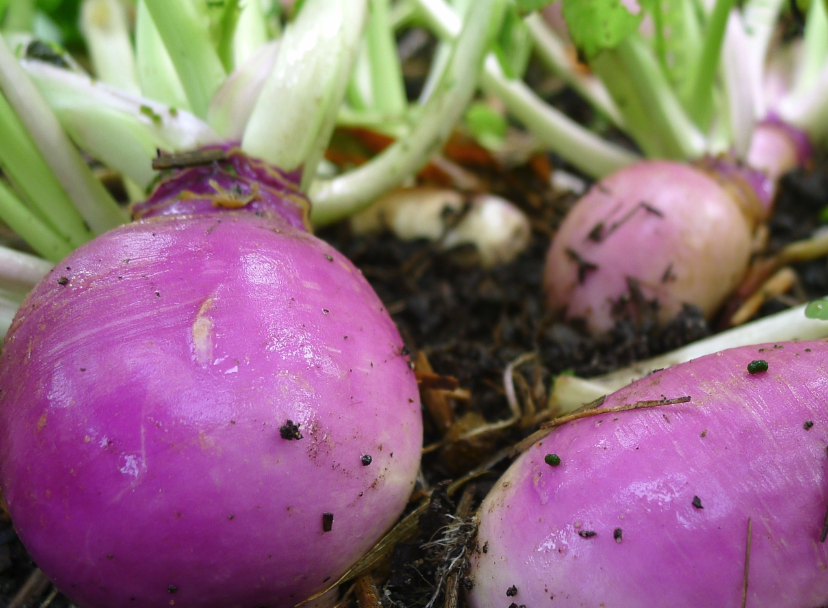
x,y
296,110
18,268
814,48
760,19
232,105
442,54
88,195
739,84
121,130
104,26
251,32
570,392
552,50
8,308
808,110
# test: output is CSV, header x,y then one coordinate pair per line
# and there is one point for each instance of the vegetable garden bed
x,y
505,344
471,323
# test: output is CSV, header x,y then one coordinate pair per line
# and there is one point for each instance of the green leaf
x,y
486,124
596,25
818,309
225,29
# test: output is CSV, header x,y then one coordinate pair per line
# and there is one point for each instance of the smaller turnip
x,y
674,233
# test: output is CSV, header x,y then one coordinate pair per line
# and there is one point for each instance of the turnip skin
x,y
777,148
695,250
144,383
740,445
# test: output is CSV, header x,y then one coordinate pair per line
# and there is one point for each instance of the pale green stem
x,y
442,53
514,45
808,110
760,18
576,144
571,392
105,29
21,271
579,146
227,22
700,103
26,224
345,195
738,85
8,308
121,130
663,117
90,198
814,48
402,13
251,32
233,103
439,61
360,93
660,43
20,16
609,67
185,33
156,72
396,127
31,176
553,52
386,71
296,111
135,193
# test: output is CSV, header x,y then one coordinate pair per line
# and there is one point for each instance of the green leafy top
x,y
596,25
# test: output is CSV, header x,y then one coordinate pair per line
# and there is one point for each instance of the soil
x,y
470,324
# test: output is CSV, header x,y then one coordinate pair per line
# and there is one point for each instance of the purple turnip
x,y
717,501
208,406
676,233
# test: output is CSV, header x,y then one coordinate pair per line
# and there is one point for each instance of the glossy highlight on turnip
x,y
654,507
188,402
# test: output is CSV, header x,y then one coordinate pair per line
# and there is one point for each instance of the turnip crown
x,y
220,178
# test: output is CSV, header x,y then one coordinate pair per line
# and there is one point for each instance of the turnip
x,y
718,501
209,406
635,229
684,88
185,398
